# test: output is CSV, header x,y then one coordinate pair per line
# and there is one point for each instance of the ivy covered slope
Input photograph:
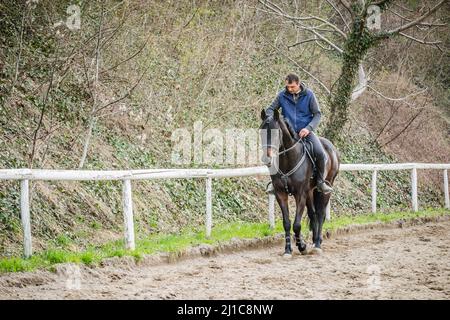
x,y
133,73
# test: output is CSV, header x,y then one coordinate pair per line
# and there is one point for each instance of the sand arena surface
x,y
393,263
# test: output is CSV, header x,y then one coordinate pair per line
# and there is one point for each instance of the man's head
x,y
292,83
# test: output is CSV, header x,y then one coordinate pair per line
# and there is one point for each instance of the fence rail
x,y
25,175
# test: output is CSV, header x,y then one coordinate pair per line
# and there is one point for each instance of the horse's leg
x,y
300,203
320,203
282,199
323,210
311,214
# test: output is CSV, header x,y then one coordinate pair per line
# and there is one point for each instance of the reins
x,y
285,176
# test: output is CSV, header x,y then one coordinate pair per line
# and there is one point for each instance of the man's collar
x,y
302,87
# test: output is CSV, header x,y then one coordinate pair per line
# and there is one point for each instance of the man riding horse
x,y
301,111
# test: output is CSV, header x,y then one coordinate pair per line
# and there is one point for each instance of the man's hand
x,y
303,133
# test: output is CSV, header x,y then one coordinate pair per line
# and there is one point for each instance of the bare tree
x,y
351,32
93,85
94,89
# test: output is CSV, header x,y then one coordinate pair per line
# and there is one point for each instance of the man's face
x,y
293,87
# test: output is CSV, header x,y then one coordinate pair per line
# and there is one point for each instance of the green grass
x,y
188,238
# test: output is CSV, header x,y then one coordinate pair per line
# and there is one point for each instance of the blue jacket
x,y
302,110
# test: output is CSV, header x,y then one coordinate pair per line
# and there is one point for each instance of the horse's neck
x,y
292,155
286,136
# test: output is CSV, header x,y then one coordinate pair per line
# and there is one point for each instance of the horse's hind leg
x,y
313,223
282,199
320,203
300,202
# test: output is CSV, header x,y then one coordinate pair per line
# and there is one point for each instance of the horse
x,y
292,174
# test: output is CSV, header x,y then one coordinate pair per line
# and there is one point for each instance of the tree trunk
x,y
355,48
340,100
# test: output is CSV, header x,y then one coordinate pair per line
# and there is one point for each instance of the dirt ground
x,y
400,263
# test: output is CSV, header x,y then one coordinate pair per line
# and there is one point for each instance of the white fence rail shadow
x,y
25,175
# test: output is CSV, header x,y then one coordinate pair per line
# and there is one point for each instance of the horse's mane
x,y
291,131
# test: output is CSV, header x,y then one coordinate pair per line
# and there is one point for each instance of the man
x,y
300,108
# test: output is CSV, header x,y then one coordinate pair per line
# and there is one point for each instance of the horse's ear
x,y
263,114
276,114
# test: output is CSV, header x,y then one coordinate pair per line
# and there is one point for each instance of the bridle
x,y
285,176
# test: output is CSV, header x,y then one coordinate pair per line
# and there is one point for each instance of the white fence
x,y
25,175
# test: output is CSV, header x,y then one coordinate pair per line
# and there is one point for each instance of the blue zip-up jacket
x,y
302,109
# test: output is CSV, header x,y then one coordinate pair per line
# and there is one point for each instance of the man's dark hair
x,y
292,77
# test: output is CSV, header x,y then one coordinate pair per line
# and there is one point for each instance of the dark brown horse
x,y
291,170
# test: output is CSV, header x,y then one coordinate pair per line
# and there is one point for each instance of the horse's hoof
x,y
287,255
304,251
317,251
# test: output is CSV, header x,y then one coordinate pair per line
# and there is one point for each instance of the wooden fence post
x,y
25,217
328,211
446,196
271,211
415,204
374,191
128,215
208,206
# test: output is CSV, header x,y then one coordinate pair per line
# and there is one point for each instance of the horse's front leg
x,y
300,201
282,199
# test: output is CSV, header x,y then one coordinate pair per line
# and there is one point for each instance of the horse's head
x,y
270,136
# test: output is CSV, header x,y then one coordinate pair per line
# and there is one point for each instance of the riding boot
x,y
322,186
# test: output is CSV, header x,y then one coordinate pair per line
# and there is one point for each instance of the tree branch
x,y
391,32
396,99
406,127
299,66
347,6
339,13
432,43
303,41
280,12
129,58
126,95
426,24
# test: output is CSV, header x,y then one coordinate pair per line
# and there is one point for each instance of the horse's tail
x,y
334,157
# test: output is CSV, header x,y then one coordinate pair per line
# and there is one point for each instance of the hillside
x,y
145,69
